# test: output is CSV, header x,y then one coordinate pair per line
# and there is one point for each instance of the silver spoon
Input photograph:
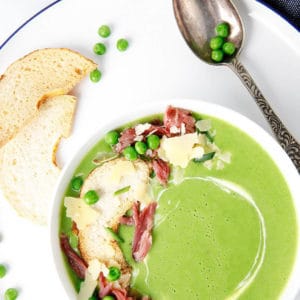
x,y
197,20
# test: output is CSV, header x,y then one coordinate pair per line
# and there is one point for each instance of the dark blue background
x,y
289,9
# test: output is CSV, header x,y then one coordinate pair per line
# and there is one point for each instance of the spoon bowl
x,y
197,20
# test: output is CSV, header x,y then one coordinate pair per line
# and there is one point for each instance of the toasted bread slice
x,y
32,79
28,170
94,240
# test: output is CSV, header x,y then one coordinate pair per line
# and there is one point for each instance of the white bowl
x,y
267,142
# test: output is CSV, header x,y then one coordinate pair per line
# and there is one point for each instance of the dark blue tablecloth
x,y
288,9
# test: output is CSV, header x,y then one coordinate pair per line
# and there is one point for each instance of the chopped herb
x,y
2,271
209,136
152,174
122,190
115,236
205,157
73,240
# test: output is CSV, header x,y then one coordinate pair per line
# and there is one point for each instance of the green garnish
x,y
222,30
104,31
205,157
108,298
114,274
122,45
2,271
99,49
112,137
122,190
91,197
130,153
76,183
73,240
115,236
228,48
95,75
217,55
216,42
140,147
11,294
153,141
209,136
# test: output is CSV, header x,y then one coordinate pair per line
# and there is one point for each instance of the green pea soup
x,y
218,234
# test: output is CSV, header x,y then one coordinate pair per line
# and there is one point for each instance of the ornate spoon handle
x,y
284,137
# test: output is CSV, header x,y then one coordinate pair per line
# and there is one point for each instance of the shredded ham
x,y
77,264
106,288
124,220
126,139
175,117
162,170
143,221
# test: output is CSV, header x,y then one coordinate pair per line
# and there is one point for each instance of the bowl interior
x,y
253,130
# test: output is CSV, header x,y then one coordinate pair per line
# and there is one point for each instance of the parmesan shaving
x,y
81,213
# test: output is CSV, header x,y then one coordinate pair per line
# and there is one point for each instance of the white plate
x,y
158,65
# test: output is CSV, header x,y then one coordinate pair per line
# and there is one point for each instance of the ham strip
x,y
175,117
77,264
106,288
143,221
126,139
162,170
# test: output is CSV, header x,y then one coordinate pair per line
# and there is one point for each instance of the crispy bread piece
x,y
30,80
94,241
28,172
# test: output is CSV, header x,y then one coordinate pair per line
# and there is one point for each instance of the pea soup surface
x,y
218,234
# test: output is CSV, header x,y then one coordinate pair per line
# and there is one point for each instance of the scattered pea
x,y
11,294
140,147
95,75
91,197
77,183
112,137
99,48
2,271
228,48
122,45
104,31
222,30
114,274
216,43
217,55
130,153
153,141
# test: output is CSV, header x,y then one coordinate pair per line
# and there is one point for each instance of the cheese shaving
x,y
81,213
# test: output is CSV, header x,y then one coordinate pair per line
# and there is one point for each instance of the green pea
x,y
140,147
104,31
108,298
91,197
11,294
112,137
2,271
217,55
228,48
153,141
114,274
99,48
216,42
222,30
130,153
77,183
95,75
122,44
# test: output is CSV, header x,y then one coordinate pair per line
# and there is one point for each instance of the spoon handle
x,y
283,136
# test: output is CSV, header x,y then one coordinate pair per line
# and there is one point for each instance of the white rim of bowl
x,y
234,118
